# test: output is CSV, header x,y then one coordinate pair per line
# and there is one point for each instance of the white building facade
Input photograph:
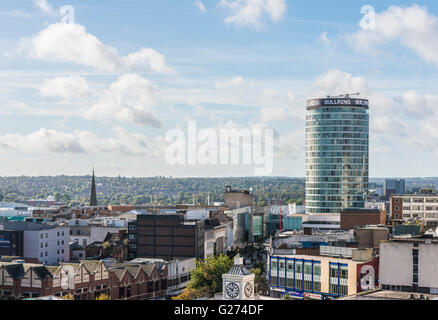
x,y
409,265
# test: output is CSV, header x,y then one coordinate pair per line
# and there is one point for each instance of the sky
x,y
102,84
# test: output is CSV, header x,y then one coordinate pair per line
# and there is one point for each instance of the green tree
x,y
208,274
260,281
287,297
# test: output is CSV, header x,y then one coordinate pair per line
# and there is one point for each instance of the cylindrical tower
x,y
337,147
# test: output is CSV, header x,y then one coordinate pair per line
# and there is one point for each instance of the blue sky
x,y
105,91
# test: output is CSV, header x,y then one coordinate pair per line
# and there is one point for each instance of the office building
x,y
336,272
422,207
337,135
409,264
166,236
394,186
49,244
11,243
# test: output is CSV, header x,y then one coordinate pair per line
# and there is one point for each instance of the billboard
x,y
5,240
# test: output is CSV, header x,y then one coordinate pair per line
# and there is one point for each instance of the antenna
x,y
345,95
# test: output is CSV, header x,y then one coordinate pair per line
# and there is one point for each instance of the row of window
x,y
343,180
363,123
337,116
47,235
329,154
338,109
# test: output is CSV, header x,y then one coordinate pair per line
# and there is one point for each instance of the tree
x,y
287,297
190,293
260,281
103,296
2,296
208,274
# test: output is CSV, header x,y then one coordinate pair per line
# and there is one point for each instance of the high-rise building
x,y
337,136
394,186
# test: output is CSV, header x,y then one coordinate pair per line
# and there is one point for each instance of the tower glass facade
x,y
337,148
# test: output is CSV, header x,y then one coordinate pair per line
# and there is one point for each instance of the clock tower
x,y
238,283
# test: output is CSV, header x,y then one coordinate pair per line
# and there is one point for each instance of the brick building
x,y
353,218
166,236
85,280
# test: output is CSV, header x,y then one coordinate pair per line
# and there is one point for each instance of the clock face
x,y
232,290
249,289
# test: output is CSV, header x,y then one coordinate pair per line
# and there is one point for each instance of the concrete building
x,y
49,244
322,221
242,226
238,199
371,236
84,234
356,218
423,207
14,210
409,265
215,237
337,147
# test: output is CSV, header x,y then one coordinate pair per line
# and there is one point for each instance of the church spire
x,y
93,197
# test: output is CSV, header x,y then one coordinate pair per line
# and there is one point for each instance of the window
x,y
63,234
58,233
47,235
46,253
41,235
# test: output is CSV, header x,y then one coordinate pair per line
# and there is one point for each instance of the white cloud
x,y
16,14
69,88
324,39
414,27
71,43
200,5
83,142
146,59
338,82
44,6
129,99
234,82
250,12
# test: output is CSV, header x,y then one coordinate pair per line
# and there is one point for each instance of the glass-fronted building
x,y
337,148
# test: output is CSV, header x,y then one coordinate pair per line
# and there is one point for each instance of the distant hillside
x,y
119,190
